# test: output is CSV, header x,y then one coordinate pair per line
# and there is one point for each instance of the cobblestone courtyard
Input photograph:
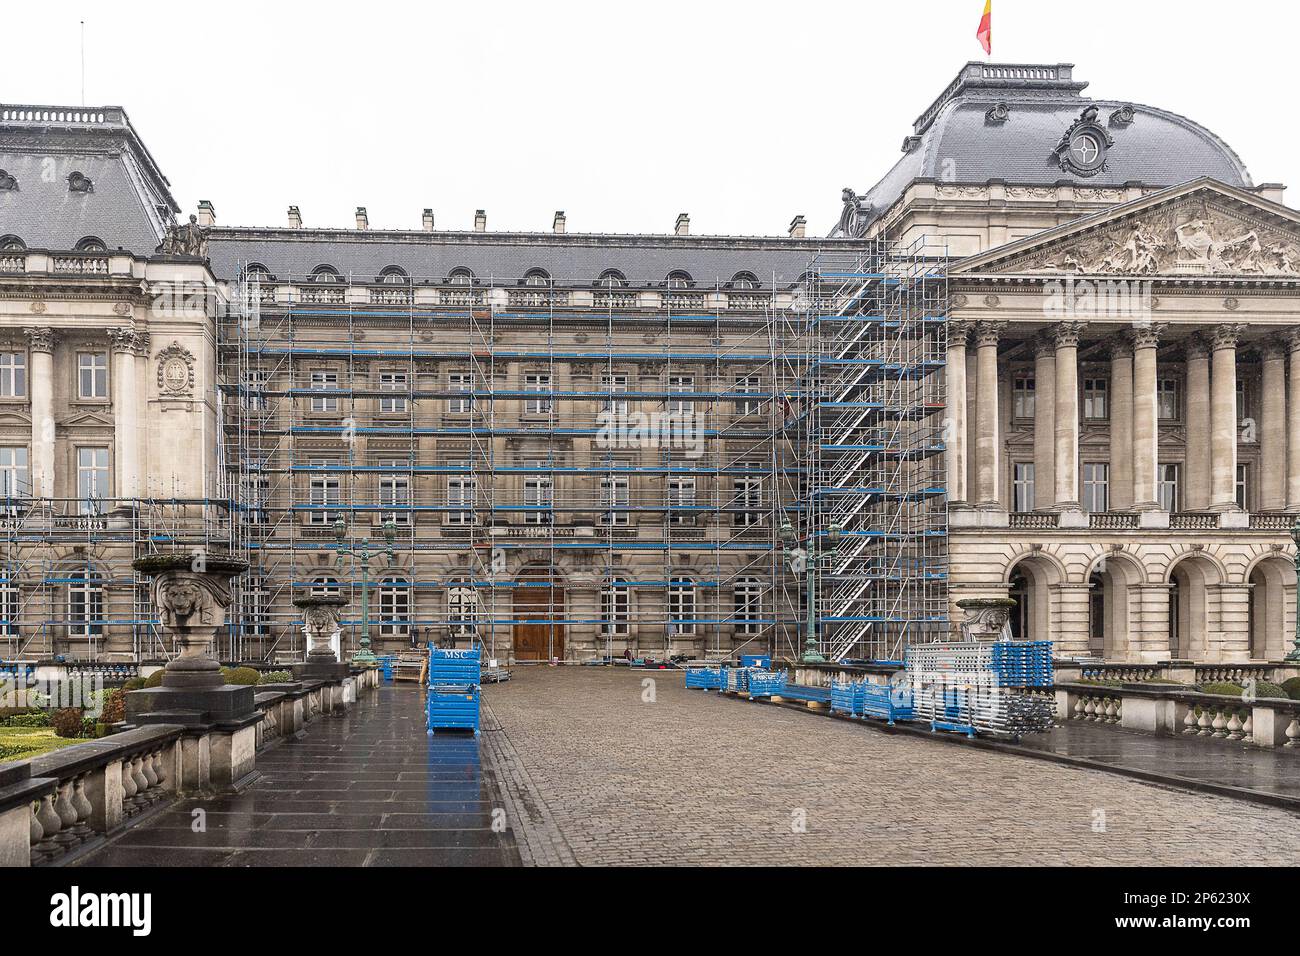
x,y
599,776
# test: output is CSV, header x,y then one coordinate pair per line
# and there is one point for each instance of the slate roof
x,y
954,142
42,146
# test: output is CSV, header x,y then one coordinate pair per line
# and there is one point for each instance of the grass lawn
x,y
33,740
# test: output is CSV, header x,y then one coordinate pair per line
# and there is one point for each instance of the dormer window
x,y
7,182
612,279
11,244
324,274
393,275
256,272
537,277
91,244
80,183
461,277
679,280
744,281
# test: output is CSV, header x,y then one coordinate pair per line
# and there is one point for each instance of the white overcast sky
x,y
622,114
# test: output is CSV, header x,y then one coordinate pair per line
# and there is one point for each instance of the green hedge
x,y
1292,687
240,675
1222,688
275,677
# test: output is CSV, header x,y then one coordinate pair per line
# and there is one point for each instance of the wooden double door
x,y
541,605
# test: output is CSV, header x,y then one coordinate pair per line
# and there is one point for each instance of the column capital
x,y
1119,347
41,340
1196,346
988,333
1292,340
1272,349
1227,336
129,339
959,332
1066,334
1147,336
1044,345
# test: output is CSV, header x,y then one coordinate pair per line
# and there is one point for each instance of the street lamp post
x,y
362,554
1295,536
811,653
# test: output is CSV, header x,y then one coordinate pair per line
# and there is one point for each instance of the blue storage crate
x,y
767,683
704,677
756,660
736,680
846,698
886,702
454,689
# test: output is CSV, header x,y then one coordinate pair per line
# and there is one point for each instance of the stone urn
x,y
191,593
987,619
320,624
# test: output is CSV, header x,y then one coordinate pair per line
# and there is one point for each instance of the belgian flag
x,y
985,32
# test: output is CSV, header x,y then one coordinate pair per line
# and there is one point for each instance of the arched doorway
x,y
538,616
1030,582
1190,582
1272,589
1110,607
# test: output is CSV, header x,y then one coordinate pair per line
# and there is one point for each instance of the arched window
x,y
615,608
612,279
256,272
680,280
537,277
749,605
91,244
394,606
681,606
461,276
394,275
744,281
85,603
10,607
462,609
324,274
11,244
323,585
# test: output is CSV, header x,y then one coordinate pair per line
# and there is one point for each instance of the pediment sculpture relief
x,y
1176,242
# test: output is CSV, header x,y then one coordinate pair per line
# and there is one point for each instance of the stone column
x,y
1146,416
987,432
1223,418
1272,429
1121,426
1196,482
127,344
40,345
955,433
1044,423
1293,424
1066,466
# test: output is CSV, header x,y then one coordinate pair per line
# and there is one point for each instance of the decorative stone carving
x,y
854,217
129,339
7,182
1232,303
1043,344
321,625
987,619
176,371
1147,336
1227,336
79,183
41,340
988,333
191,593
959,332
997,114
992,301
122,308
959,301
190,239
1123,116
1083,148
1066,334
1293,340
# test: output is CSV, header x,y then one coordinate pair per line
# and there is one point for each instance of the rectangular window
x,y
681,608
614,608
1243,487
749,605
746,384
14,482
1096,487
392,382
681,494
395,492
613,384
13,374
1168,406
255,384
461,491
1243,402
1094,399
542,404
460,382
324,492
324,381
92,375
614,495
538,497
255,490
1022,395
92,479
1168,485
680,383
749,496
1022,486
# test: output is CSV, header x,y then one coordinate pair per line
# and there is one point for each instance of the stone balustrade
x,y
1170,711
1186,672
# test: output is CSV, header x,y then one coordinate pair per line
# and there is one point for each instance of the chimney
x,y
683,224
295,218
1271,191
557,226
480,220
797,225
207,214
428,220
363,220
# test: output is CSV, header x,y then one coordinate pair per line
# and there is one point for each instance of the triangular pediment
x,y
1202,229
87,418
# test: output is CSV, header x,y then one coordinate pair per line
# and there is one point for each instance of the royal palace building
x,y
1054,353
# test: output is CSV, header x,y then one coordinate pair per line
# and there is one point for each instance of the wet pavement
x,y
366,789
